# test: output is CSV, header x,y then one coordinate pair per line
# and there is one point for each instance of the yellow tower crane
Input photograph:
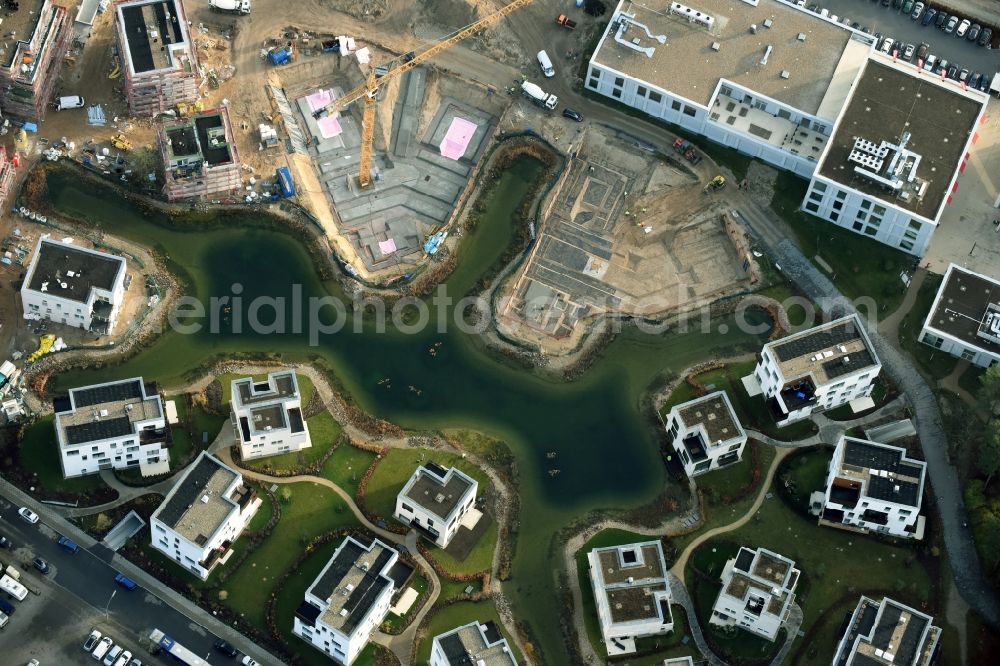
x,y
400,65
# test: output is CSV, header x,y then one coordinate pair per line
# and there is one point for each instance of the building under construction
x,y
158,58
32,64
199,156
7,172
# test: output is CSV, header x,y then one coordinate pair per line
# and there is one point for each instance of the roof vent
x,y
753,28
343,612
846,360
768,23
801,37
716,46
204,499
439,498
785,74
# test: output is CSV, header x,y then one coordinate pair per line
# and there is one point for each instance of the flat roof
x,y
714,413
887,633
23,23
687,65
152,30
826,351
889,475
68,271
437,490
889,100
762,578
967,307
475,644
99,412
278,387
628,577
352,582
198,503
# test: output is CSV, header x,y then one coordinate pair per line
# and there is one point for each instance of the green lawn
x,y
226,381
934,363
732,643
719,484
602,539
970,379
183,444
346,466
454,588
861,266
264,513
398,465
753,412
40,455
419,583
455,615
312,510
835,564
659,648
805,473
323,433
203,421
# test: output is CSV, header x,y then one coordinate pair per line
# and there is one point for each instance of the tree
x,y
990,393
989,452
594,7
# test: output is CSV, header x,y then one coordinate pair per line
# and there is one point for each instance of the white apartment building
x,y
473,643
815,370
631,593
348,599
69,284
874,487
767,78
202,515
965,318
705,433
758,588
893,161
887,633
435,500
267,415
114,425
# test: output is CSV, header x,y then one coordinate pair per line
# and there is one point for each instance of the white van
x,y
71,102
546,64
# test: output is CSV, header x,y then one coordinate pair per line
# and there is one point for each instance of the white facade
x,y
887,633
434,500
72,285
965,318
348,600
817,369
631,593
705,433
874,487
267,416
115,425
473,643
204,513
758,588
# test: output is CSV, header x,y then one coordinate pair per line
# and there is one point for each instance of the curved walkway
x,y
830,430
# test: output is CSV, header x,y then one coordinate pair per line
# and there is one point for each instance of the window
x,y
641,91
593,83
858,226
910,235
406,507
861,216
968,354
838,205
689,111
866,204
812,208
816,196
675,105
915,225
619,81
726,90
655,97
871,231
760,105
782,113
834,217
819,187
906,245
616,93
879,210
72,453
841,195
595,73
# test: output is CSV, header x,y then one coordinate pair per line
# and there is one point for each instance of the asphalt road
x,y
88,576
891,22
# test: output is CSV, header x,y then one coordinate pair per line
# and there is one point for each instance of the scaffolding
x,y
200,159
28,79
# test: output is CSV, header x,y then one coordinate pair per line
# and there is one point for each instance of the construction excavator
x,y
391,70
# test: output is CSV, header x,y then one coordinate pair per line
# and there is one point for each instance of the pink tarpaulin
x,y
328,126
387,247
458,137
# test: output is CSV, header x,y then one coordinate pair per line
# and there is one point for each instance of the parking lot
x,y
891,22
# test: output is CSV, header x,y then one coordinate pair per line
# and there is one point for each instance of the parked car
x,y
940,19
929,16
886,46
950,26
984,84
112,656
250,661
225,648
907,6
125,582
952,72
986,36
92,640
41,565
28,515
123,658
4,542
6,607
918,9
963,28
68,544
885,3
102,648
897,4
908,52
974,80
973,33
930,62
33,662
572,115
922,51
942,66
135,662
963,76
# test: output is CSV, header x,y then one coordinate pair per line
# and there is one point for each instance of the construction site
x,y
625,232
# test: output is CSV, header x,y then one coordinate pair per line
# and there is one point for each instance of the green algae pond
x,y
607,451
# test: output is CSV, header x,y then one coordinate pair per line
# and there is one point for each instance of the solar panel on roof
x,y
96,395
813,342
94,431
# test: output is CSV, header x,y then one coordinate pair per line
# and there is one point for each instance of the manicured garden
x,y
446,618
346,466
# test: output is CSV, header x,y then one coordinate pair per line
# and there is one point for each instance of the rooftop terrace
x,y
890,101
352,582
628,578
887,633
887,473
476,645
715,414
437,490
687,65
